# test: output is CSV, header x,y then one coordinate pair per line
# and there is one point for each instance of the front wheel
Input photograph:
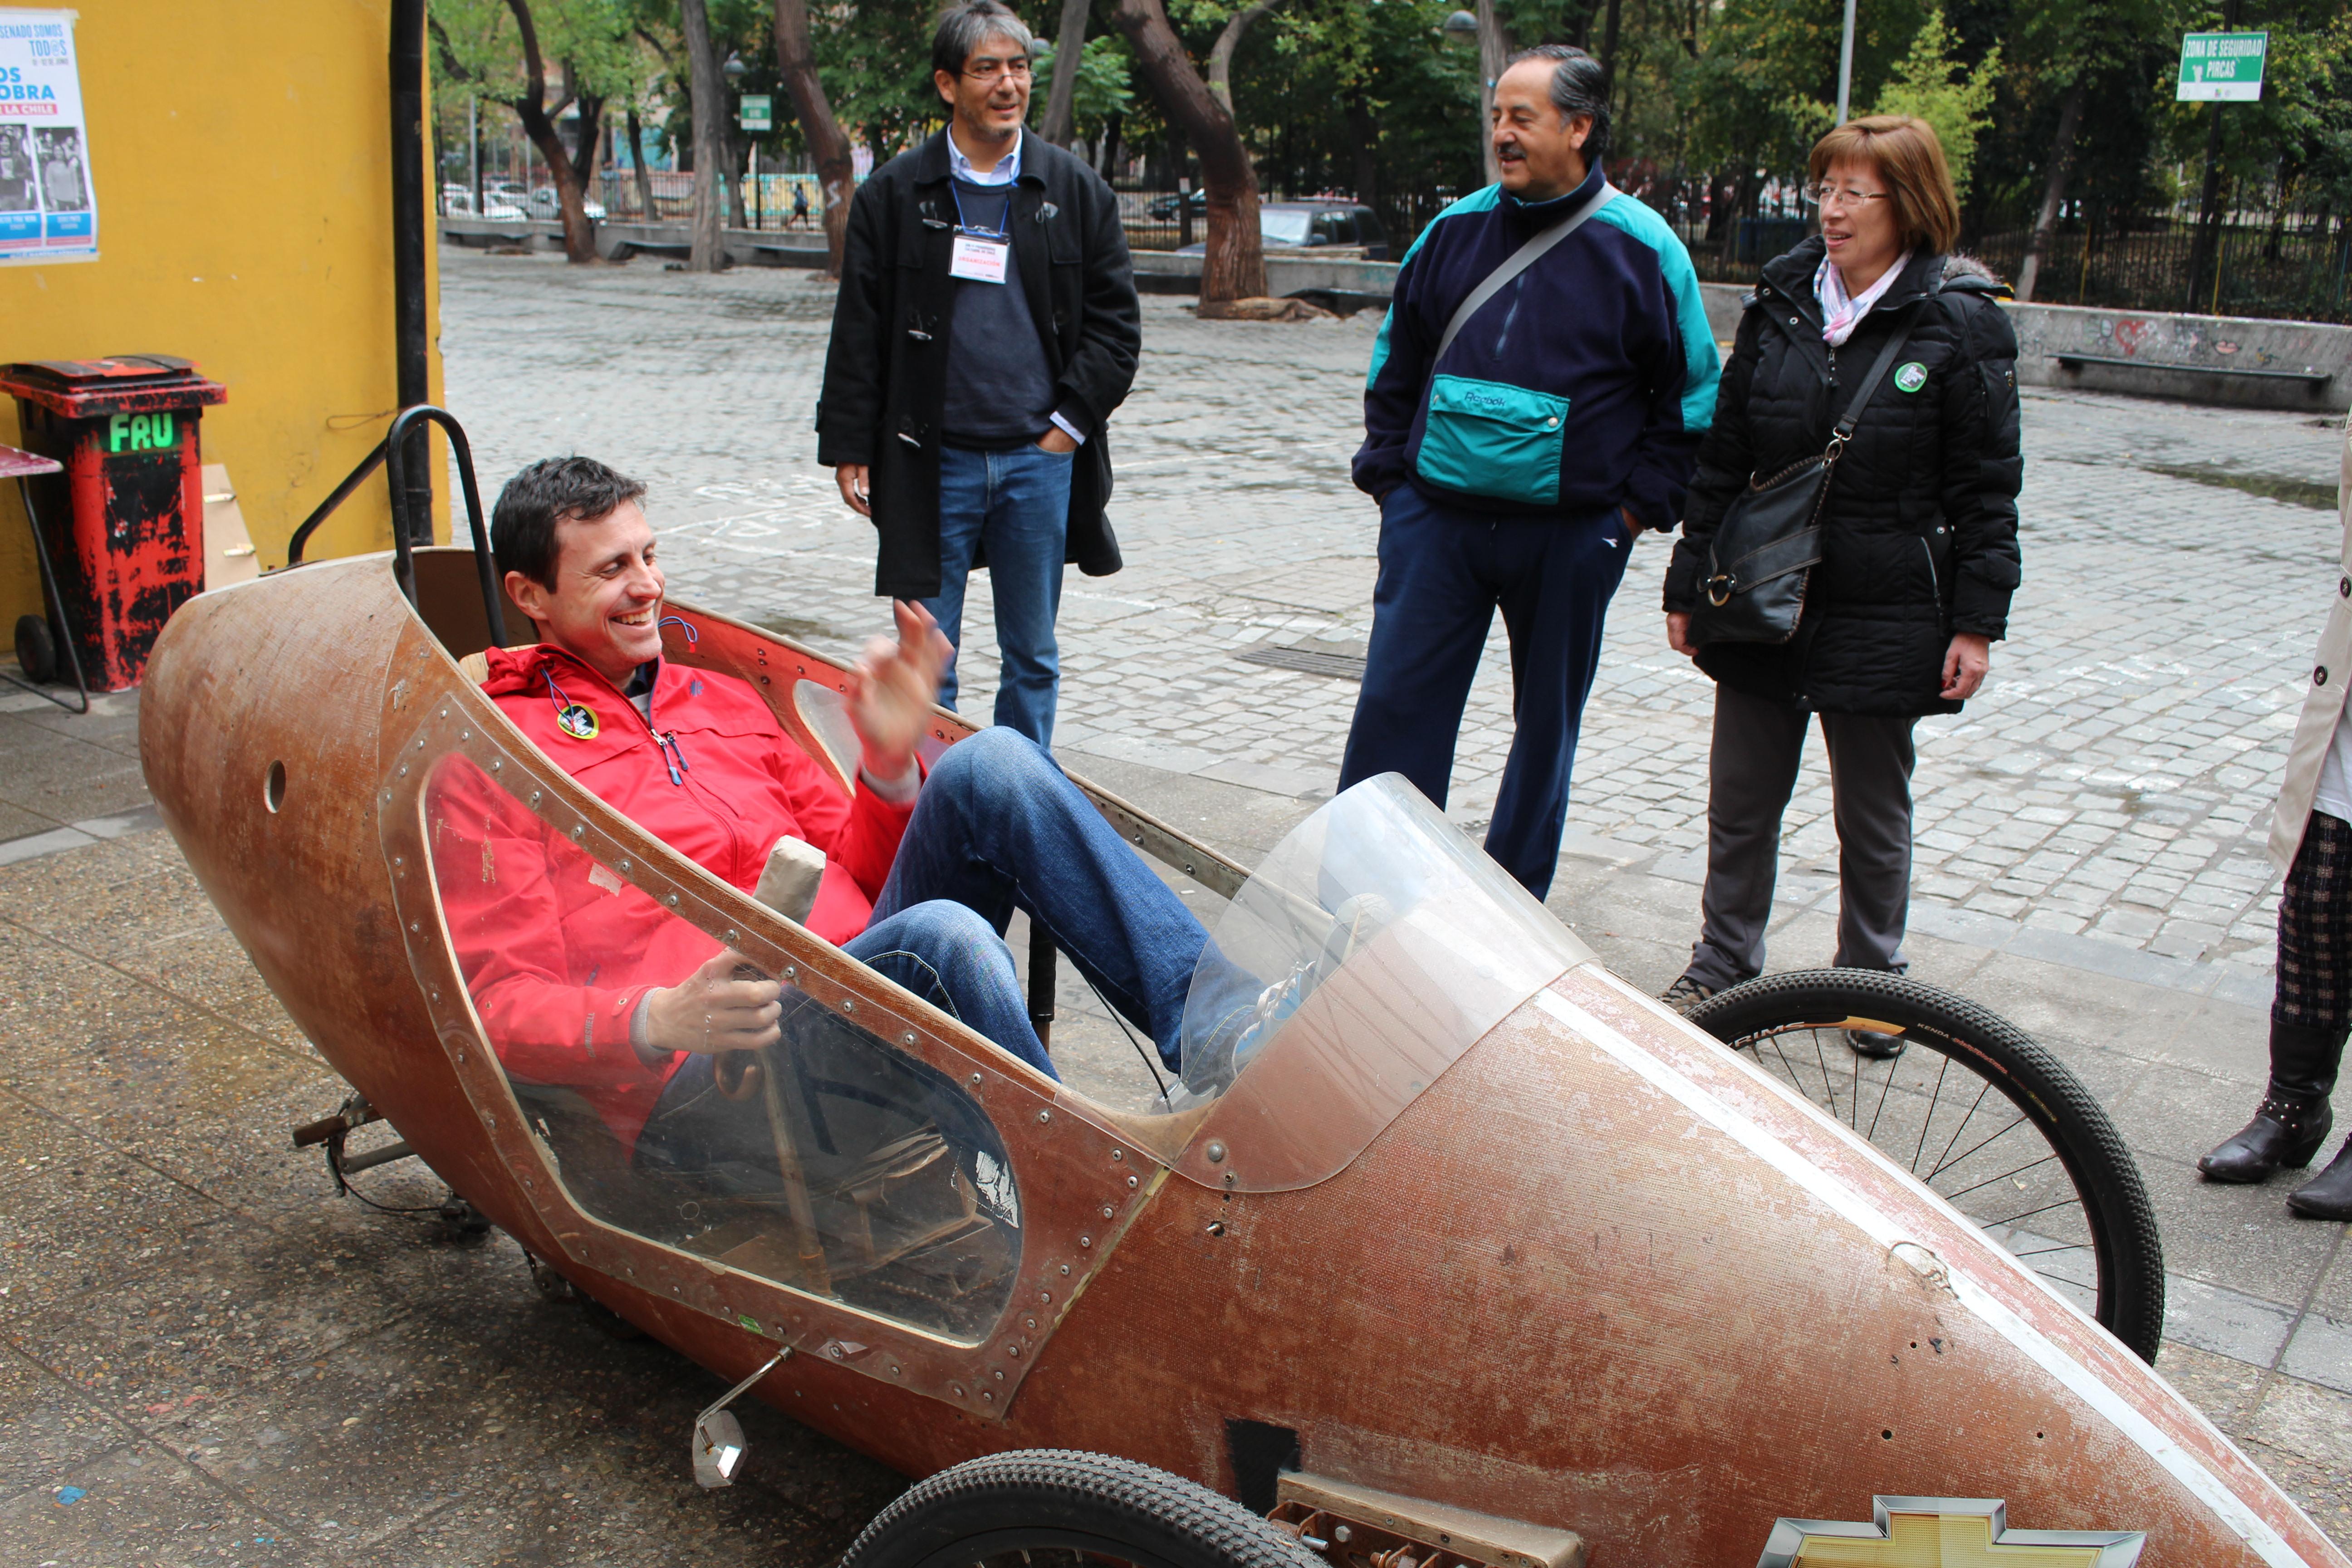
x,y
1043,1508
1977,1109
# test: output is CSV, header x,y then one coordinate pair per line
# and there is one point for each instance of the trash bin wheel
x,y
36,649
1047,1508
1977,1109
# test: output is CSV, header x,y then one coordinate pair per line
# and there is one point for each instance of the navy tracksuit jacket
x,y
1583,386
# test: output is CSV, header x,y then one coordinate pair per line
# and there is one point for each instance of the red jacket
x,y
558,951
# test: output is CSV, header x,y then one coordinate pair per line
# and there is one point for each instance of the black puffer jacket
x,y
1919,534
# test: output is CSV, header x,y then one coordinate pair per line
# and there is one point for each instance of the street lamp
x,y
733,69
1460,25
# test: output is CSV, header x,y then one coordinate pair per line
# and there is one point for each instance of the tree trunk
x,y
836,174
1494,48
588,146
637,163
1069,45
2053,192
1221,54
1234,267
1609,49
739,154
707,251
579,237
1112,127
1364,143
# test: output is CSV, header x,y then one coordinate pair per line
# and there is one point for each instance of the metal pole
x,y
411,356
2205,250
1845,65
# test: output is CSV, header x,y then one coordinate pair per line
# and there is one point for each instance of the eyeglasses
x,y
1820,196
993,71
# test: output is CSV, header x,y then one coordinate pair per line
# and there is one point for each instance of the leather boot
x,y
2294,1117
2286,1131
2327,1196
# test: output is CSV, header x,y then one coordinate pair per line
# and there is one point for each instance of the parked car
x,y
1286,225
542,202
456,201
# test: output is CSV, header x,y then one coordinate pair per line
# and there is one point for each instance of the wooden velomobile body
x,y
1596,1273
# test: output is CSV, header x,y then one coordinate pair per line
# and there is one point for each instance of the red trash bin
x,y
124,526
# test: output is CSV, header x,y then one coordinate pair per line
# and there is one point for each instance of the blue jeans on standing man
x,y
1444,570
1015,504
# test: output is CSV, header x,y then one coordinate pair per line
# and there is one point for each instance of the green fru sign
x,y
758,111
2221,67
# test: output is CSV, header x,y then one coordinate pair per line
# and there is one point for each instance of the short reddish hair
x,y
1910,161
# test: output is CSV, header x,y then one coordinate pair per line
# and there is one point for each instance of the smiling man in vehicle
x,y
914,875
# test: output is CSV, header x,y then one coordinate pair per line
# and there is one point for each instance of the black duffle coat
x,y
1919,533
886,368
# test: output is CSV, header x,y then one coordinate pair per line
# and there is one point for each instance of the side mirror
x,y
718,1443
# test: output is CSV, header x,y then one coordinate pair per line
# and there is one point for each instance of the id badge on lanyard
x,y
980,257
981,254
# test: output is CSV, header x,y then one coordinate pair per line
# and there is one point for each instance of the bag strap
x,y
1518,261
1878,369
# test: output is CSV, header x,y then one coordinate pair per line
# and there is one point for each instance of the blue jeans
x,y
1444,572
997,827
1015,506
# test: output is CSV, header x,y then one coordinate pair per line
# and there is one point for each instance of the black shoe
x,y
2327,1196
1870,1043
1685,994
2286,1131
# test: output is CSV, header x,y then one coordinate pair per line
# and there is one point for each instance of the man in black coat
x,y
986,327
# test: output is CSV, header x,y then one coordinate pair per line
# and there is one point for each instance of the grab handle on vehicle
x,y
404,571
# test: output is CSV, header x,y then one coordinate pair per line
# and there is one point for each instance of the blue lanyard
x,y
1003,229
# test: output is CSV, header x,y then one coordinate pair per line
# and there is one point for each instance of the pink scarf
x,y
1840,313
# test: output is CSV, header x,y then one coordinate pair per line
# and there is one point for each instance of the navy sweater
x,y
1609,320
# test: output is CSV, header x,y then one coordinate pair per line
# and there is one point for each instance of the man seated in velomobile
x,y
583,981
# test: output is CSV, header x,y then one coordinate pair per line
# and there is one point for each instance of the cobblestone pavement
x,y
2112,784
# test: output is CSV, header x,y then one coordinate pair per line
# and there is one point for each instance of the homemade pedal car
x,y
1480,1233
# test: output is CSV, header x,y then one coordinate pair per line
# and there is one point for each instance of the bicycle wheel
x,y
1979,1110
1043,1508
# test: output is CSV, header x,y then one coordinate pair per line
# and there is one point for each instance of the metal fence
x,y
2275,261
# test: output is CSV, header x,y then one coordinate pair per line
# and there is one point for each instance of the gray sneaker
x,y
1685,994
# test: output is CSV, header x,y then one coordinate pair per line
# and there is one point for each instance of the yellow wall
x,y
240,155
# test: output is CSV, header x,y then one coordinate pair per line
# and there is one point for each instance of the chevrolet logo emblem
x,y
1943,1532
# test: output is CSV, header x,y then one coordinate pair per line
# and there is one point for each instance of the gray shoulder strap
x,y
1518,261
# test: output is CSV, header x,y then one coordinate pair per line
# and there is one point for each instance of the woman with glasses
x,y
1917,543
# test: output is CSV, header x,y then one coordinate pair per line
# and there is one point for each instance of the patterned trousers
x,y
2314,930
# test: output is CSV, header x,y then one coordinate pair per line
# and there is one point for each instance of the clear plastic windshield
x,y
1367,952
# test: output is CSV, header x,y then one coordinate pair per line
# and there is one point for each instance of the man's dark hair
x,y
963,26
552,491
1579,86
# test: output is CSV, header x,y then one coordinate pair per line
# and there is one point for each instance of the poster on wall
x,y
49,206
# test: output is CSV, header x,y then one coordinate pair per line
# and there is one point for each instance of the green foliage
x,y
1103,88
1929,85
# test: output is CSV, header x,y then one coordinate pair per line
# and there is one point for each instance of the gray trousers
x,y
1750,773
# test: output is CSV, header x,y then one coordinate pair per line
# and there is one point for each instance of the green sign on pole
x,y
2221,67
758,108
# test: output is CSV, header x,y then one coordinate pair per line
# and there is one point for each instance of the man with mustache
x,y
1535,401
986,327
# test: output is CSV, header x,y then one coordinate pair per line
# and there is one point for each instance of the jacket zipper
x,y
1935,585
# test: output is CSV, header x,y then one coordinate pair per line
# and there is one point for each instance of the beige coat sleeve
x,y
2331,671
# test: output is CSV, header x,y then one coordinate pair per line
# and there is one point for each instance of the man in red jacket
x,y
583,981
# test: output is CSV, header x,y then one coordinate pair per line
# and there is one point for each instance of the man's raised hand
x,y
893,687
711,1011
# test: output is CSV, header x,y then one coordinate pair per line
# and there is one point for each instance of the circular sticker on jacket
x,y
576,721
1911,377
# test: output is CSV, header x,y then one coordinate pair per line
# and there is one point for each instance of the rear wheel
x,y
1979,1110
1055,1509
